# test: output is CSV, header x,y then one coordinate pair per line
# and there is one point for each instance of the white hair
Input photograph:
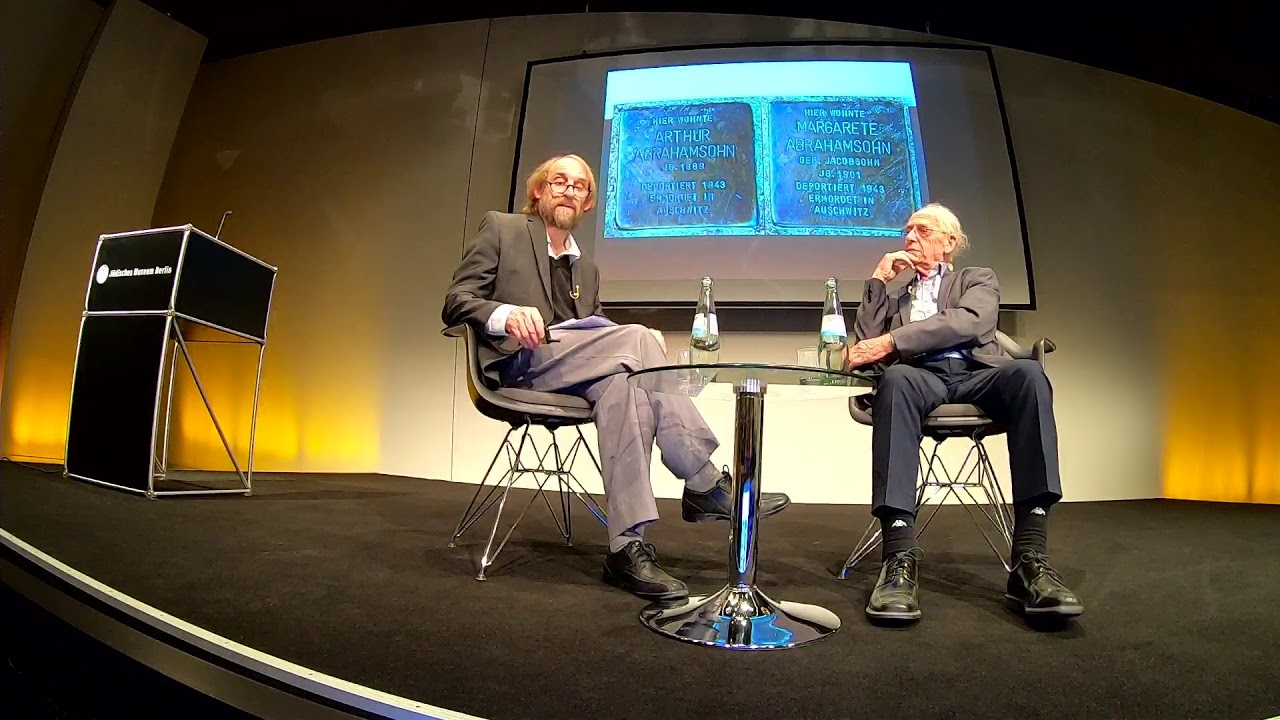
x,y
947,223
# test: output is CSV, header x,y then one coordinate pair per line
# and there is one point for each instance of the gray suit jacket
x,y
968,305
507,262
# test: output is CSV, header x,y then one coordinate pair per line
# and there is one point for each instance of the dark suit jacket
x,y
968,305
507,262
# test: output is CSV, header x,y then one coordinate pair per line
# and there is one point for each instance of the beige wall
x,y
42,46
104,176
346,165
1148,212
360,165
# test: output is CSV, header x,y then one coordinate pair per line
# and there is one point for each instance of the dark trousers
x,y
1015,394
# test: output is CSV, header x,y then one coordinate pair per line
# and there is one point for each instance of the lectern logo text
x,y
105,272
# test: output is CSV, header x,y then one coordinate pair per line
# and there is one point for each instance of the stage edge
x,y
331,694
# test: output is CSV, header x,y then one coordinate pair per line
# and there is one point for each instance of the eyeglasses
x,y
920,230
560,187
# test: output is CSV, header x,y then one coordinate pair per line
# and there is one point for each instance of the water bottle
x,y
704,341
833,338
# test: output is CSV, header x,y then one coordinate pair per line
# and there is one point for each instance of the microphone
x,y
224,219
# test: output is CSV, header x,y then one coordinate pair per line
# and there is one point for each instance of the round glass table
x,y
740,616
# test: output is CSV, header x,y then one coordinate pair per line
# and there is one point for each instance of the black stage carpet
x,y
353,576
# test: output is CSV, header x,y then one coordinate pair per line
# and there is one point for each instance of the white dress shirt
x,y
924,300
497,322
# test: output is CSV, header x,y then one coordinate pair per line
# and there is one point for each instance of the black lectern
x,y
148,291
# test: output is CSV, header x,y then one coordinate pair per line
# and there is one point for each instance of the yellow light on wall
x,y
1222,395
331,429
336,427
36,426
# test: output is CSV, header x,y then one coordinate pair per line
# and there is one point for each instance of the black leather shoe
x,y
717,503
897,593
635,569
1037,589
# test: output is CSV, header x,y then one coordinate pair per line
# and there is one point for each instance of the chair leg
x,y
871,536
552,452
550,463
934,479
987,508
870,541
568,484
477,509
976,473
474,512
989,512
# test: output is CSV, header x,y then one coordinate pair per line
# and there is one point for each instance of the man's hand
x,y
525,325
658,336
868,352
892,265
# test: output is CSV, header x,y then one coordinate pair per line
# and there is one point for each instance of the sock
x,y
1030,525
897,533
705,480
626,538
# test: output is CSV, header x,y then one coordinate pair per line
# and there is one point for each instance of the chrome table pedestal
x,y
740,616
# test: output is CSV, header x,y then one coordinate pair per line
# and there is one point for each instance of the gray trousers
x,y
593,364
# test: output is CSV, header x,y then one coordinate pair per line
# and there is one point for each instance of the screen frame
x,y
516,199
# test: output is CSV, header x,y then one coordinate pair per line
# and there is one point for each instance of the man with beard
x,y
522,274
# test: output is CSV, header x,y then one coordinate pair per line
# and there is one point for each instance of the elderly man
x,y
519,278
936,341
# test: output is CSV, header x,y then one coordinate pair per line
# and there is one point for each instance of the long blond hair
x,y
539,176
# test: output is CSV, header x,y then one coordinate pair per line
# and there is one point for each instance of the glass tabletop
x,y
720,378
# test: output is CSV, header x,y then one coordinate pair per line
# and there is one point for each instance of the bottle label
x,y
705,325
833,328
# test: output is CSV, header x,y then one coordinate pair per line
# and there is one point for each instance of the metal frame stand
x,y
561,470
976,475
178,346
740,616
174,345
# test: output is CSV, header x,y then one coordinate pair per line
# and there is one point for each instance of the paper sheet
x,y
586,323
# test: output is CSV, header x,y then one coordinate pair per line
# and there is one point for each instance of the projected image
x,y
762,148
773,168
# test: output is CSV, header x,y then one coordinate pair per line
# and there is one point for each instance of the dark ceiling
x,y
1224,50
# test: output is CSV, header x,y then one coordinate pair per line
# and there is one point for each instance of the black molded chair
x,y
975,477
524,410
